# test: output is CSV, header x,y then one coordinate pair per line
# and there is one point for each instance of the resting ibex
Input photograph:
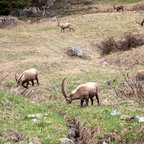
x,y
26,76
140,23
118,8
64,26
82,92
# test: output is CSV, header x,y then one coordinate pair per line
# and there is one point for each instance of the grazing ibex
x,y
26,76
64,26
82,92
118,8
140,75
140,23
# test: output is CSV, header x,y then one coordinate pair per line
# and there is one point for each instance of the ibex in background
x,y
64,26
82,92
140,75
118,8
44,9
140,23
26,76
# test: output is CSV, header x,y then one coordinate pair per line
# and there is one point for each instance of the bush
x,y
8,5
130,88
128,42
108,46
5,8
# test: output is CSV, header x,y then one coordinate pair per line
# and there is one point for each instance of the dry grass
x,y
42,46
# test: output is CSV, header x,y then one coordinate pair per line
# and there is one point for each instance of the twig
x,y
3,78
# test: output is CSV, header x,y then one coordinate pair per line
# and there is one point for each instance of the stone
x,y
35,116
105,64
110,81
53,19
141,119
27,12
34,120
115,113
126,117
66,140
75,51
8,21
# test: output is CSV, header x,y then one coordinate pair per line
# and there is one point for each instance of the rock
x,y
110,81
27,12
126,117
53,19
8,21
35,116
34,120
105,64
65,140
104,142
141,119
75,51
29,21
115,113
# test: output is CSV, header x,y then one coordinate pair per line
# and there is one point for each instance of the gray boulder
x,y
8,21
53,19
75,51
110,81
66,140
27,12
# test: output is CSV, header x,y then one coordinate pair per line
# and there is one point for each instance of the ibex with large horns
x,y
118,8
26,77
82,92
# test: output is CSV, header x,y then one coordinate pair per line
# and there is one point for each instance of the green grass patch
x,y
14,117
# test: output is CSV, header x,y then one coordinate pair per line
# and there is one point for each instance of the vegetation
x,y
128,42
15,111
6,6
42,46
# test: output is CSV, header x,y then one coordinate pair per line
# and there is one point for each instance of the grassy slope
x,y
14,112
43,46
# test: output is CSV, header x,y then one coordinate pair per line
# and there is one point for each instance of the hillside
x,y
41,45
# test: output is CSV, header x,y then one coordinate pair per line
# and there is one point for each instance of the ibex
x,y
26,76
44,9
82,92
118,8
140,75
64,26
140,23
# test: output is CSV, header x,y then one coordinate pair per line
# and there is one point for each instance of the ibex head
x,y
18,80
58,23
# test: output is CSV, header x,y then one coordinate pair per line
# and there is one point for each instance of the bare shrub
x,y
108,46
128,42
130,88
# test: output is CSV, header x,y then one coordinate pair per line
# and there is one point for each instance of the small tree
x,y
6,6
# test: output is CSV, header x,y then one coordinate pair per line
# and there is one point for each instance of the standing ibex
x,y
26,76
118,8
82,92
140,23
44,9
64,26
